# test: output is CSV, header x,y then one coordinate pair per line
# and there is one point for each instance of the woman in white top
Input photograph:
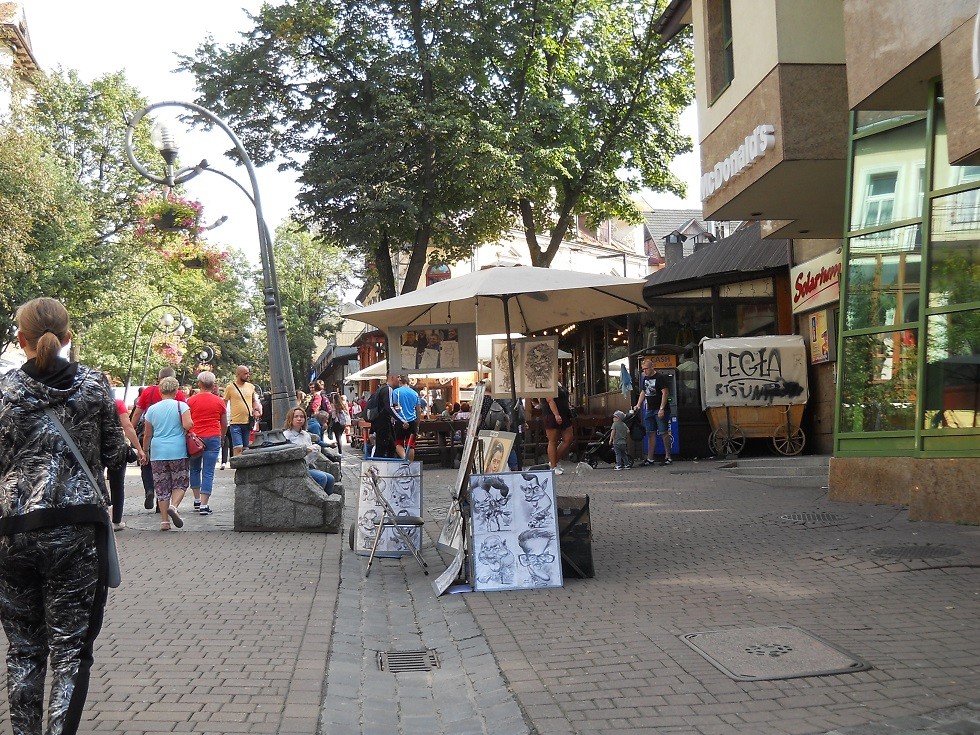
x,y
295,431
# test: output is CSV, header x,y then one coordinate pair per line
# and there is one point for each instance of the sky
x,y
97,37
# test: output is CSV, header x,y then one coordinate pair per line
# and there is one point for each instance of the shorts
x,y
653,422
240,434
169,475
550,422
406,437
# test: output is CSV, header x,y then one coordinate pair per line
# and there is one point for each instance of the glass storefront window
x,y
953,371
889,176
746,320
878,374
883,275
954,253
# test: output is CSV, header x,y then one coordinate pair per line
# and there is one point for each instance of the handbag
x,y
113,576
195,444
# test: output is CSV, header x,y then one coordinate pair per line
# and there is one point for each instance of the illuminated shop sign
x,y
754,147
816,282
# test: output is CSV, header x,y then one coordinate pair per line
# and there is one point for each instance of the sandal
x,y
164,526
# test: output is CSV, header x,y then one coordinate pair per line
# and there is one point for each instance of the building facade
x,y
851,127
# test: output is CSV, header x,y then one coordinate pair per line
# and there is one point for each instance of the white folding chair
x,y
391,519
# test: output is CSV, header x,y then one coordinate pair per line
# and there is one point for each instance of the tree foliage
x,y
67,209
425,127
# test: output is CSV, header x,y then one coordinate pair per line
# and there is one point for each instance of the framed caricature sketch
x,y
401,485
427,348
514,532
496,450
535,367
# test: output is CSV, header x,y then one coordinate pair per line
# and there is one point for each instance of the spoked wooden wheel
x,y
728,439
788,440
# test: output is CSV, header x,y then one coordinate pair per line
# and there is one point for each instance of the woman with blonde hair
x,y
165,441
54,528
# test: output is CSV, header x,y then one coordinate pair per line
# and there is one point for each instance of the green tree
x,y
366,99
586,97
312,277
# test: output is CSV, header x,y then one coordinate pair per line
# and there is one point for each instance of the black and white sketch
x,y
496,560
540,365
539,503
514,531
535,367
492,503
426,349
401,485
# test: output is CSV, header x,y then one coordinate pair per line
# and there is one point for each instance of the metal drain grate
x,y
915,552
812,518
399,661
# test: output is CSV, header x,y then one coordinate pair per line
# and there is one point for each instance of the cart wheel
x,y
350,537
593,462
788,441
727,440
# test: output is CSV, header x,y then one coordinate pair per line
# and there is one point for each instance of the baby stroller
x,y
601,450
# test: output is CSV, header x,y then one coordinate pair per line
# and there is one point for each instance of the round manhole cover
x,y
812,518
915,552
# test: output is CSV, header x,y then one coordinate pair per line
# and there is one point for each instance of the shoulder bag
x,y
113,573
195,444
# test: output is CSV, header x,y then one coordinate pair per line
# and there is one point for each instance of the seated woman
x,y
295,431
464,411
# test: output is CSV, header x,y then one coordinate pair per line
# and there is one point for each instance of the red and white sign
x,y
816,282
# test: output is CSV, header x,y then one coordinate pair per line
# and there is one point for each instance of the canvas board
x,y
451,534
514,531
433,349
401,485
535,367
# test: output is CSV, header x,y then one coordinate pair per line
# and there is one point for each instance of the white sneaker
x,y
119,526
558,470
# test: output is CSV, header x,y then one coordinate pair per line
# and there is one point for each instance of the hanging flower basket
x,y
170,213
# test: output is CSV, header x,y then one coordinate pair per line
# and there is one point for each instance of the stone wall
x,y
274,492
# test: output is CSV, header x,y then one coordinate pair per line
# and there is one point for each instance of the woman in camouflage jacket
x,y
53,522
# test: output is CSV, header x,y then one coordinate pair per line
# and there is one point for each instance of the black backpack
x,y
371,408
497,419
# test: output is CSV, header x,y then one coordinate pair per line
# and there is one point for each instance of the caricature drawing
x,y
539,504
537,557
491,503
539,365
403,487
496,560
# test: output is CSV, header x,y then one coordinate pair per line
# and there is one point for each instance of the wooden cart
x,y
754,387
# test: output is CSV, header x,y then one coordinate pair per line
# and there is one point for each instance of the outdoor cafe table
x,y
436,439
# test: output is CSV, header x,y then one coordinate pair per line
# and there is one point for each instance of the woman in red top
x,y
210,423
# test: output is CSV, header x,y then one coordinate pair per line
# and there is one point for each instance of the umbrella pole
x,y
510,360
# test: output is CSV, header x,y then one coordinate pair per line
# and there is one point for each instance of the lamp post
x,y
615,255
181,325
168,307
280,369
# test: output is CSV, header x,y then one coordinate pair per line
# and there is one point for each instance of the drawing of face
x,y
493,549
496,461
537,557
533,490
403,486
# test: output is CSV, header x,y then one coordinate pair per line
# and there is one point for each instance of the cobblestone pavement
x,y
223,632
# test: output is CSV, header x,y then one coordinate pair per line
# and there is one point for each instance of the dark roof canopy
x,y
743,253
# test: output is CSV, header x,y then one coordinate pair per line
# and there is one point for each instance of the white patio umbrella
x,y
504,299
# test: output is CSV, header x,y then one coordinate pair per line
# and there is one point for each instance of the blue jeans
x,y
204,464
323,479
239,434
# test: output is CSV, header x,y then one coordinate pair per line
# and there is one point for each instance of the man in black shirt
x,y
655,394
382,426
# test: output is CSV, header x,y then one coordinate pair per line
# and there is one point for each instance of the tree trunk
x,y
382,262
